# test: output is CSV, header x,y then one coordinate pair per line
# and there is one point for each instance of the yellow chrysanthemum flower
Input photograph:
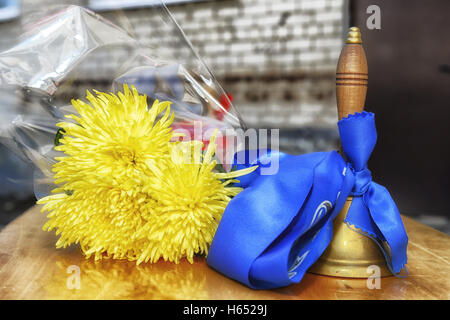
x,y
191,198
118,130
126,191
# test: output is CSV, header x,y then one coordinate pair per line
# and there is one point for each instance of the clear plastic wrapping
x,y
57,59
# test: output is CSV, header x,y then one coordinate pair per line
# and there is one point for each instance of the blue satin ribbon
x,y
373,211
280,224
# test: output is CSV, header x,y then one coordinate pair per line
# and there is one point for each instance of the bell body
x,y
350,254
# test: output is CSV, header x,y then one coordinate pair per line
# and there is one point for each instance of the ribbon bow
x,y
373,211
280,224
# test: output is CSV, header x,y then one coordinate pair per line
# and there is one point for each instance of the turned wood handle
x,y
351,76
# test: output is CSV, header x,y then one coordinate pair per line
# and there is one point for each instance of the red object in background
x,y
189,126
225,103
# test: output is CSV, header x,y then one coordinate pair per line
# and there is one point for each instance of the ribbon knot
x,y
363,178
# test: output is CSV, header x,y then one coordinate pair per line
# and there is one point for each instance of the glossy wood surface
x,y
31,268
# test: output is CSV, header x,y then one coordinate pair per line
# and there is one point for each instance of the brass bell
x,y
350,252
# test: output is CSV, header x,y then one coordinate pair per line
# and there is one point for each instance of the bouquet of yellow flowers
x,y
127,190
123,174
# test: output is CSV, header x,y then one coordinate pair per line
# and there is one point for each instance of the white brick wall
x,y
288,48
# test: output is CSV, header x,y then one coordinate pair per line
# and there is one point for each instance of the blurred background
x,y
278,61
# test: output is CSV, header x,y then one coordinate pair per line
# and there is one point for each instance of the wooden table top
x,y
31,268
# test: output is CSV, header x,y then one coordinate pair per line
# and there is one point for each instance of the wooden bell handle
x,y
351,76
